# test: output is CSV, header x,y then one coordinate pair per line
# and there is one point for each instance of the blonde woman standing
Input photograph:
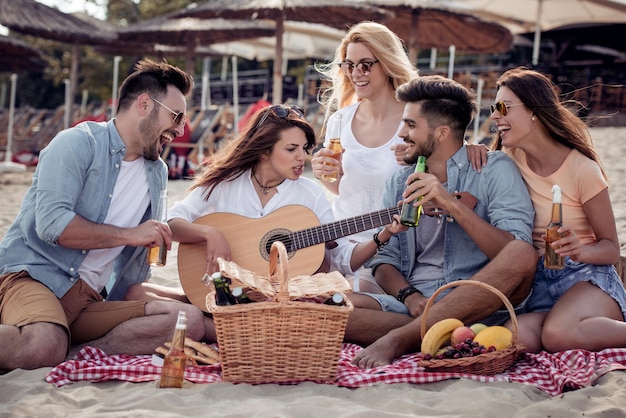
x,y
369,64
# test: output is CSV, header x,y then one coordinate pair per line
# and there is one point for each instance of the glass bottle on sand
x,y
175,361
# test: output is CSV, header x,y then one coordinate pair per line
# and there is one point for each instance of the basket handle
x,y
485,286
278,270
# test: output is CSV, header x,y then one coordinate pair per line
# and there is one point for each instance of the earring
x,y
533,118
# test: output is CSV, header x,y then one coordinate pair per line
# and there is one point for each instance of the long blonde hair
x,y
387,48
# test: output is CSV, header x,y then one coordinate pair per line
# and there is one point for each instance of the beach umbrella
x,y
189,33
523,16
32,18
337,13
424,24
301,40
19,56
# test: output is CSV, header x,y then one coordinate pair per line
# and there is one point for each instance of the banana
x,y
439,334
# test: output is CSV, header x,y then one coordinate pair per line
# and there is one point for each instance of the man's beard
x,y
151,136
426,150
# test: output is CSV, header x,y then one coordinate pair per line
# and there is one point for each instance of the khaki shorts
x,y
81,311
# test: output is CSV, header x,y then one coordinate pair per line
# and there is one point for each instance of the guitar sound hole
x,y
276,235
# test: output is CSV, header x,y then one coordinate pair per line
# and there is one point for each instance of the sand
x,y
25,393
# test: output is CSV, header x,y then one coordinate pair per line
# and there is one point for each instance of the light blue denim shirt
x,y
75,175
503,201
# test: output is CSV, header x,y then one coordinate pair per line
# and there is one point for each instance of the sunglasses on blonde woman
x,y
502,107
365,67
281,111
178,117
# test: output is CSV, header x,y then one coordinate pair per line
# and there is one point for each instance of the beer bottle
x,y
551,260
335,299
222,292
158,255
239,295
410,215
175,361
335,147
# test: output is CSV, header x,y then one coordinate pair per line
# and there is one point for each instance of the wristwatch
x,y
405,292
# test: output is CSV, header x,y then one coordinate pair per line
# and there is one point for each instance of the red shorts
x,y
81,311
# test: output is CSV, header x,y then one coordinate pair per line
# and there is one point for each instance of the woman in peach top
x,y
584,305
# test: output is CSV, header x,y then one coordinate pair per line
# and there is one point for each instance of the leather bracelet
x,y
405,292
379,244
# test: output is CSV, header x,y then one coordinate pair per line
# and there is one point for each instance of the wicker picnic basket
x,y
280,340
490,363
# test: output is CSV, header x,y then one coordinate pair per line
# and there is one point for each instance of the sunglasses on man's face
x,y
178,117
281,112
502,107
365,67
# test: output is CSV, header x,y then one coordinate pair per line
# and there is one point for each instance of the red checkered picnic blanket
x,y
552,373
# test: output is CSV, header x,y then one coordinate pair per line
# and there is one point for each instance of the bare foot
x,y
380,353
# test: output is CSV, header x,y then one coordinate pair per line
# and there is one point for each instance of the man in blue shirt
x,y
489,242
84,227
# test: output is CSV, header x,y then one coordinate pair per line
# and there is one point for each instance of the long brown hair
x,y
256,139
541,96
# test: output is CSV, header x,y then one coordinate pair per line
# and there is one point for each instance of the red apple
x,y
460,334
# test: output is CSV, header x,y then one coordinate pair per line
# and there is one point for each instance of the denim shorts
x,y
550,285
389,303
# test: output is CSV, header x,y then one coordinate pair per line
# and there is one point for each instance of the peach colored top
x,y
580,179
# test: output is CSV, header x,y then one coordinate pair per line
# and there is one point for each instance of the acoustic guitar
x,y
250,241
298,227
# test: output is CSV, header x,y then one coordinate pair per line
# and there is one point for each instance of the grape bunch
x,y
468,348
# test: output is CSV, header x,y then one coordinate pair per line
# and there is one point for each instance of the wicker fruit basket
x,y
490,363
281,340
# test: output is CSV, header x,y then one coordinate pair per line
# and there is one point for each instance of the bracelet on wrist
x,y
379,244
405,292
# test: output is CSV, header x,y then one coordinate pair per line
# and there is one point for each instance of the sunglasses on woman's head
x,y
502,107
178,117
365,67
281,112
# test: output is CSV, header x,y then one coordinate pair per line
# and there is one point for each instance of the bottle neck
x,y
557,214
178,341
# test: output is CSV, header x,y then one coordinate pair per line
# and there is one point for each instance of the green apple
x,y
477,327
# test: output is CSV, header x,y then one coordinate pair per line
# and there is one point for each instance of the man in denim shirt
x,y
85,223
489,242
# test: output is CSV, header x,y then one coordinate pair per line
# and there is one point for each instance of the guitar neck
x,y
332,231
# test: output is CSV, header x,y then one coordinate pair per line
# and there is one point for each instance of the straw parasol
x,y
32,18
423,24
336,13
301,40
190,33
18,56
